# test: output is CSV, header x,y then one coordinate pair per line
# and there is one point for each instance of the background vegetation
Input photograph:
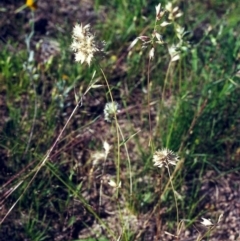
x,y
196,115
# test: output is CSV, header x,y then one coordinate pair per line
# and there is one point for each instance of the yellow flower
x,y
32,4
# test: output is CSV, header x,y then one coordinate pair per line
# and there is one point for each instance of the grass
x,y
189,106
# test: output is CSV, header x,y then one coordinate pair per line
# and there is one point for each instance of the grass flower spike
x,y
84,44
173,12
165,157
110,110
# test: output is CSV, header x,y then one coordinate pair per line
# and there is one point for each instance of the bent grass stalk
x,y
180,163
47,156
118,129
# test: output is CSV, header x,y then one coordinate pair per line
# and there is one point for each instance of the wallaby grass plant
x,y
180,112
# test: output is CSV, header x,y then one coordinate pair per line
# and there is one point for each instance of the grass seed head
x,y
165,158
110,110
174,12
84,44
